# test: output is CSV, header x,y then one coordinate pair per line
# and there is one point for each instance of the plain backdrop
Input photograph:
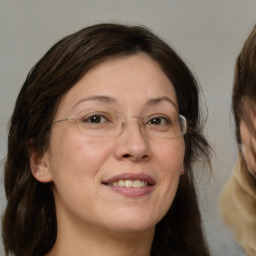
x,y
208,35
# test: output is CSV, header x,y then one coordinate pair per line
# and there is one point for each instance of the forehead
x,y
131,80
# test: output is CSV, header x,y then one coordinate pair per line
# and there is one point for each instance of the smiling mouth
x,y
129,183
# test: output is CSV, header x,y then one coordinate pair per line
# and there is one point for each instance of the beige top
x,y
238,206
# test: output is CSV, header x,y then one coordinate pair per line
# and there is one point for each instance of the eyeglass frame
x,y
123,123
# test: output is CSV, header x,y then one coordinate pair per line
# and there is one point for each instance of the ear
x,y
182,171
39,164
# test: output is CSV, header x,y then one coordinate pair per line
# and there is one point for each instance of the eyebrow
x,y
156,101
104,99
108,99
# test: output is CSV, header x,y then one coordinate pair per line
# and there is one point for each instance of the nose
x,y
132,144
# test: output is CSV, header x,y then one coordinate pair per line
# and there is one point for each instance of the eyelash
x,y
166,119
88,118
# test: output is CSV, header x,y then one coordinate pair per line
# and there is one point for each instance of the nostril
x,y
144,157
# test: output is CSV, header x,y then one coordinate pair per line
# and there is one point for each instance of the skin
x,y
89,213
248,147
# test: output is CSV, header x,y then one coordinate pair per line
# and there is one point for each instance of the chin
x,y
127,228
135,222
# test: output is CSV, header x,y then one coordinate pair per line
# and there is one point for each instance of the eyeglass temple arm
x,y
62,120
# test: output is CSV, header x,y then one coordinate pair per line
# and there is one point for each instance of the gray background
x,y
207,34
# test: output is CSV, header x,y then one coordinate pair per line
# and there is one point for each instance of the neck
x,y
94,241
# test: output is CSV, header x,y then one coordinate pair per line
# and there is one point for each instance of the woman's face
x,y
91,175
248,147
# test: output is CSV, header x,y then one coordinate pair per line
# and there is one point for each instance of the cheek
x,y
171,155
76,154
170,158
248,147
75,163
245,134
249,159
170,166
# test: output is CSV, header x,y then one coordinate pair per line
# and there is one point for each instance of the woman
x,y
238,199
101,145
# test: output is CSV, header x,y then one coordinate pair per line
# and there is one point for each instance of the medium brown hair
x,y
244,90
29,222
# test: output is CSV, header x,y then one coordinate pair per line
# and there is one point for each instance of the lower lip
x,y
132,192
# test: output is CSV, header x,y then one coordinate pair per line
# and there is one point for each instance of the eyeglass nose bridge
x,y
124,123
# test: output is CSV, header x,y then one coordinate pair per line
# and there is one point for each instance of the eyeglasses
x,y
99,123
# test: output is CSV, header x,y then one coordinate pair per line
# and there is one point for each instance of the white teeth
x,y
121,183
130,183
137,184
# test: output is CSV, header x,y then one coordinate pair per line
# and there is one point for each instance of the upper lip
x,y
131,176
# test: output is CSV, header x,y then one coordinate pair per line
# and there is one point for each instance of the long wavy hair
x,y
29,221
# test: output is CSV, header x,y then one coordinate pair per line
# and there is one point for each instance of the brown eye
x,y
159,120
95,118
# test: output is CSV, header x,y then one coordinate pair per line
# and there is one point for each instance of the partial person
x,y
238,198
102,142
